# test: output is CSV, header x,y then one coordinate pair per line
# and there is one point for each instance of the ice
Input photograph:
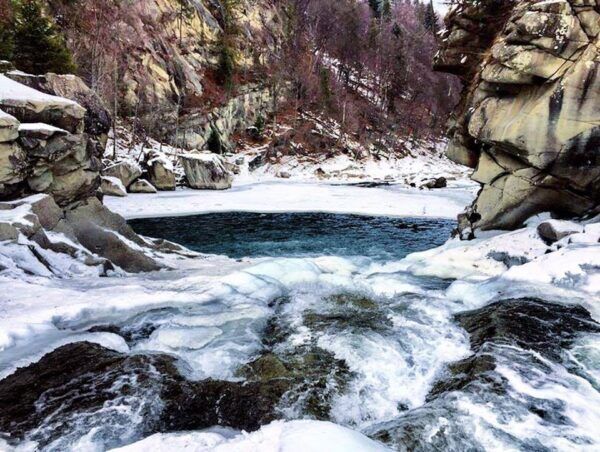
x,y
294,436
274,197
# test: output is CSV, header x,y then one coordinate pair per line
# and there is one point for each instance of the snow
x,y
41,127
14,94
291,196
279,436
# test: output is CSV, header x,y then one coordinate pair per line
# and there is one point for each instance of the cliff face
x,y
529,119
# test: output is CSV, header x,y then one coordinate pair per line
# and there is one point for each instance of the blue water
x,y
299,234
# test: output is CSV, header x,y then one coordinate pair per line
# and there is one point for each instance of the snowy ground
x,y
289,196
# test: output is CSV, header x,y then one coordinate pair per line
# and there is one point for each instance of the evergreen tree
x,y
38,47
430,18
375,7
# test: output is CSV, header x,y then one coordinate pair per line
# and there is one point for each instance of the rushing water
x,y
328,316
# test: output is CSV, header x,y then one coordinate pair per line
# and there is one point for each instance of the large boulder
x,y
142,186
206,171
97,119
529,118
29,105
160,172
111,186
42,146
9,127
126,171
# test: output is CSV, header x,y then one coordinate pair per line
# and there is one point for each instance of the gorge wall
x,y
529,118
170,57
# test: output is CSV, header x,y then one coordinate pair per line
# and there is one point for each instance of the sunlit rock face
x,y
529,120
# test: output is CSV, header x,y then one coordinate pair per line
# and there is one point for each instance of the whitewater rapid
x,y
392,323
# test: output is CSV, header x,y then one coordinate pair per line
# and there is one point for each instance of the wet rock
x,y
82,386
142,186
206,171
107,234
554,230
111,186
526,324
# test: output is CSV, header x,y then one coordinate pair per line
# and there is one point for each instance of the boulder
x,y
206,171
108,235
126,171
111,186
439,182
29,105
159,170
528,120
554,230
97,119
9,127
87,380
141,186
42,147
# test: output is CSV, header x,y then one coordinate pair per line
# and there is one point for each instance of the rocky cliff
x,y
169,57
529,119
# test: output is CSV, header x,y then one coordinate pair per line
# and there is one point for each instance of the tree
x,y
431,19
38,47
6,30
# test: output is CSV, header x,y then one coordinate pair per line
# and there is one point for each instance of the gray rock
x,y
108,235
159,171
111,186
126,171
528,121
206,171
141,186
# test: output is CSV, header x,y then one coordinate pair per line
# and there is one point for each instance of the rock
x,y
126,171
8,231
9,127
554,230
108,235
283,175
44,207
160,171
440,182
206,171
528,117
29,105
6,66
111,186
87,381
142,186
49,154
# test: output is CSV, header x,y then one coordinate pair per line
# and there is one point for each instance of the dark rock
x,y
73,388
553,231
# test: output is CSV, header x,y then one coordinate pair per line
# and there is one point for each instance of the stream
x,y
317,319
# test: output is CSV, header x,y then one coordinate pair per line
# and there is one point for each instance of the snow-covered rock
x,y
142,186
206,171
112,186
30,105
9,127
160,171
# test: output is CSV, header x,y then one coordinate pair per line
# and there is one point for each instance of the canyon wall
x,y
529,118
